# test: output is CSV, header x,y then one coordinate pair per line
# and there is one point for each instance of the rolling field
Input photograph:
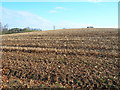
x,y
73,58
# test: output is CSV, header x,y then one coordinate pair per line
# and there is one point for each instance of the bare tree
x,y
53,27
0,27
5,28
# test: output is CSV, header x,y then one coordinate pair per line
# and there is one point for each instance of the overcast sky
x,y
61,14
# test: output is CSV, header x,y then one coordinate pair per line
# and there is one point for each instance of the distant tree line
x,y
5,30
90,27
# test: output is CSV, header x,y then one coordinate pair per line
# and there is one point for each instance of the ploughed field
x,y
78,58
